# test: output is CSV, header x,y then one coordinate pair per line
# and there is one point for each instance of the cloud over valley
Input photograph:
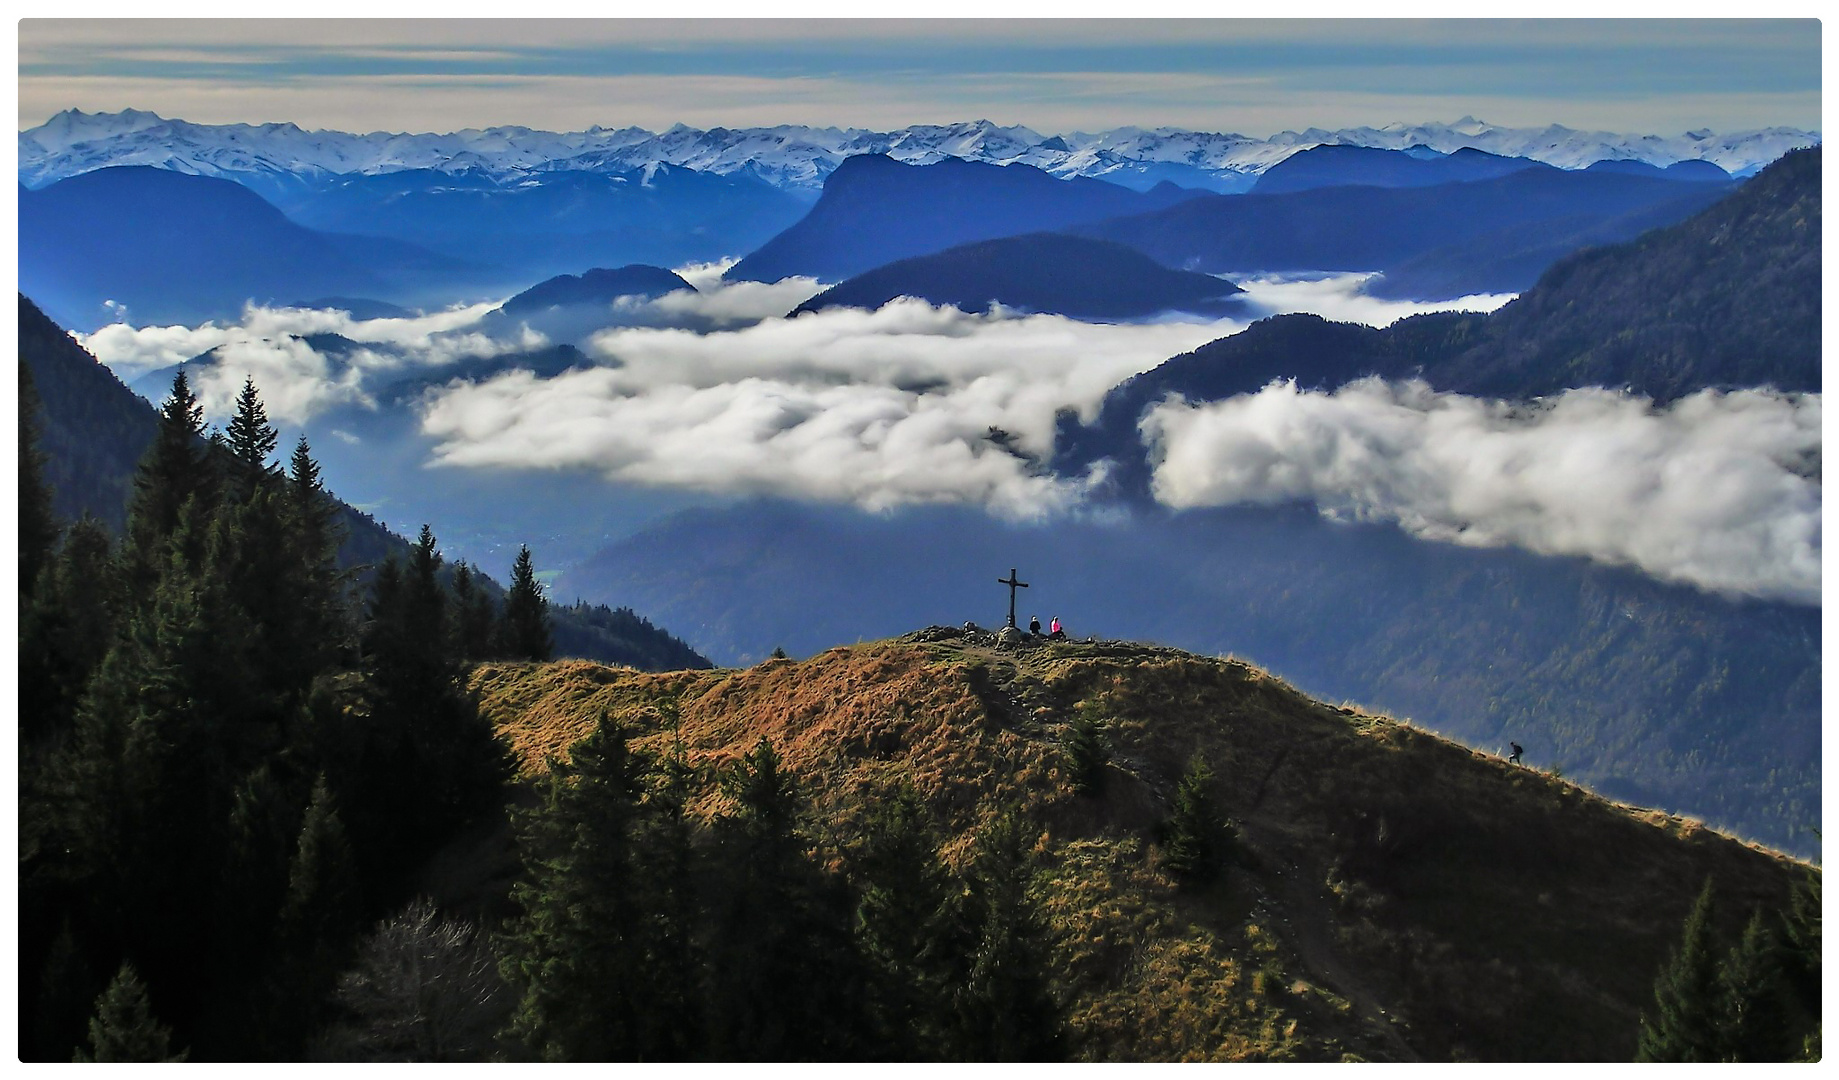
x,y
715,391
1718,490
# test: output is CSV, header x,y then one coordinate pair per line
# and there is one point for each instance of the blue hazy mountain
x,y
178,248
569,307
1041,272
875,210
1372,228
1704,172
1728,298
540,223
599,286
1332,165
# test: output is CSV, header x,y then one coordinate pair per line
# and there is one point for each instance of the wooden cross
x,y
1013,585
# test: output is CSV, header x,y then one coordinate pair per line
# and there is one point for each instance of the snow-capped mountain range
x,y
798,158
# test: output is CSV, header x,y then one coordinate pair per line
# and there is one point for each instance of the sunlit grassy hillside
x,y
1392,896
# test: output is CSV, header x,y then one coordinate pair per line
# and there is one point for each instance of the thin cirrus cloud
x,y
1718,490
1256,76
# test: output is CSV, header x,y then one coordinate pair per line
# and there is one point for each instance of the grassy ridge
x,y
1398,897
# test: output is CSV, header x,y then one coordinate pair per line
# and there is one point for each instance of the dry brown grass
x,y
1411,897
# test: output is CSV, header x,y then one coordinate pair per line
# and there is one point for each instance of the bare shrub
x,y
424,988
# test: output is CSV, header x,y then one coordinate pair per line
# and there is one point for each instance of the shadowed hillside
x,y
1390,895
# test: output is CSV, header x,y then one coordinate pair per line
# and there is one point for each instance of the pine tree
x,y
1007,1011
598,957
1686,995
174,472
123,1029
1754,1024
1801,939
251,440
1087,754
321,897
906,921
526,613
472,616
430,760
38,527
780,921
66,629
319,918
1195,837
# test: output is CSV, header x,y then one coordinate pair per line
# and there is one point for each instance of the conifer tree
x,y
321,896
1006,1010
1754,1022
1686,996
472,616
432,760
912,938
251,441
597,979
174,472
526,613
123,1029
1801,940
1087,754
65,630
1194,838
780,921
38,527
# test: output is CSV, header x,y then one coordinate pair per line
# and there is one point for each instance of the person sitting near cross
x,y
1055,631
1034,625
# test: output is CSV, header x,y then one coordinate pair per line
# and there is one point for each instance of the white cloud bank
x,y
1718,490
1338,297
877,408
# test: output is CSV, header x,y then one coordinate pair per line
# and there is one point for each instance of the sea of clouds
x,y
716,391
1718,490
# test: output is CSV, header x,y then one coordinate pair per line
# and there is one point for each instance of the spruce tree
x,y
174,471
906,919
251,441
472,616
432,760
1800,935
38,527
582,954
66,629
319,586
1754,1024
1686,995
780,921
1007,1011
1087,754
319,918
123,1029
1194,838
526,613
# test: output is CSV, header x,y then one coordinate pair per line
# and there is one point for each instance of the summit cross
x,y
1013,585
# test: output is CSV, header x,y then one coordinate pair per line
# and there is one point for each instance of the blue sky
x,y
1251,76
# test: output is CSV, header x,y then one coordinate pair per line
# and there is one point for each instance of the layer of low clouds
x,y
1337,297
1718,490
878,409
297,382
713,391
1251,76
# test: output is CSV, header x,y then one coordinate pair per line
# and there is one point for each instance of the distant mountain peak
x,y
799,158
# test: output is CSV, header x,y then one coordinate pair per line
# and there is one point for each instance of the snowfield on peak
x,y
798,158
